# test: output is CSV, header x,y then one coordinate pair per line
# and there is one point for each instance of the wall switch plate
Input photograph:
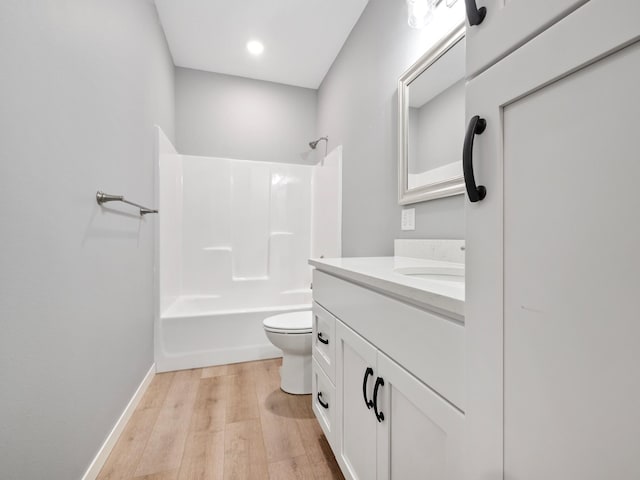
x,y
408,221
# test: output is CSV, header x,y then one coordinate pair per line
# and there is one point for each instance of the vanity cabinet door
x,y
421,433
552,255
356,424
507,25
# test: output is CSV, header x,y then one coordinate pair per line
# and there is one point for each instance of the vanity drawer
x,y
324,401
324,348
427,344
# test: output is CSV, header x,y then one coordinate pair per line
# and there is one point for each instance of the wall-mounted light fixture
x,y
421,11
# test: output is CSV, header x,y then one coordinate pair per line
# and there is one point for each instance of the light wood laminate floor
x,y
225,422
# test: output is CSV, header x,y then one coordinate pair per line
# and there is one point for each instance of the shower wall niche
x,y
234,240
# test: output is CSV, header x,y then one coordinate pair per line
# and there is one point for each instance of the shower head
x,y
314,144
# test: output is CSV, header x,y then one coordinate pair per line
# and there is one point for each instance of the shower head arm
x,y
314,144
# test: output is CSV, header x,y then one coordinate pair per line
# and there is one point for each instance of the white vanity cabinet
x,y
506,25
552,259
388,424
393,426
323,367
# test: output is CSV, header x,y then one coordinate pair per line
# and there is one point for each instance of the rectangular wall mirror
x,y
431,123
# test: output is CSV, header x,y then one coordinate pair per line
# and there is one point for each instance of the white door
x,y
552,320
506,25
356,424
420,435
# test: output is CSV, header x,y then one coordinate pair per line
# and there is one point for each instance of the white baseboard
x,y
169,363
100,459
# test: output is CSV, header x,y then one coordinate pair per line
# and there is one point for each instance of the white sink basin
x,y
448,273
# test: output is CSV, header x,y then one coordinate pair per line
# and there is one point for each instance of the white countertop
x,y
379,273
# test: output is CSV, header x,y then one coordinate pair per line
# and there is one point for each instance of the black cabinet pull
x,y
367,402
322,339
379,383
475,15
323,404
477,125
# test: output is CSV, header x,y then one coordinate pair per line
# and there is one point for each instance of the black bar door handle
x,y
477,125
322,339
367,372
324,405
475,15
379,383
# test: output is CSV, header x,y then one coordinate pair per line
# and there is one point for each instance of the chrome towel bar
x,y
102,197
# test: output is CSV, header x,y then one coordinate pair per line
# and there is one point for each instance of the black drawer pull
x,y
475,15
379,383
367,372
477,125
322,339
323,404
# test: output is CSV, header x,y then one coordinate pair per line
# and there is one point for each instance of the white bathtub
x,y
203,330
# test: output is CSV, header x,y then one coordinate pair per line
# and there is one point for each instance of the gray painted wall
x,y
440,130
82,84
357,107
233,117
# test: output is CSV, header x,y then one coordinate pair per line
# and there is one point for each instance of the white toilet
x,y
291,333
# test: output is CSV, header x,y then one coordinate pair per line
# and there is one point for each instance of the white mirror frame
x,y
445,188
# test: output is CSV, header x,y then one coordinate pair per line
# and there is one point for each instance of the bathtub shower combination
x,y
234,240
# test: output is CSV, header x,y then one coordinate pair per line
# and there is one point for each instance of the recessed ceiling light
x,y
255,47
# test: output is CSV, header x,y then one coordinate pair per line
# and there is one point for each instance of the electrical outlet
x,y
408,220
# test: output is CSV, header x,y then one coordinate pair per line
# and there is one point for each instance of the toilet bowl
x,y
291,333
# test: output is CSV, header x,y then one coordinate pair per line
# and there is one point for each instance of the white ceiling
x,y
301,37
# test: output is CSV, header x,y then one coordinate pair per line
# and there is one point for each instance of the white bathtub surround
x,y
234,246
326,232
169,201
246,227
443,250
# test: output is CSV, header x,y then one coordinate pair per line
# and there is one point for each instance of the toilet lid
x,y
294,322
